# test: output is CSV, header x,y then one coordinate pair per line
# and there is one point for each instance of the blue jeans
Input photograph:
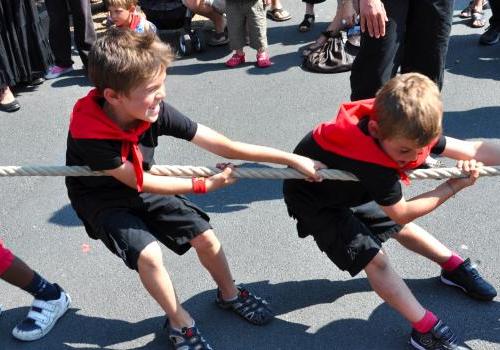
x,y
416,40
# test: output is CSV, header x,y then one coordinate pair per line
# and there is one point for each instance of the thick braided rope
x,y
243,173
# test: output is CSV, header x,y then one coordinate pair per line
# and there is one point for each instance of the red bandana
x,y
343,136
88,121
134,22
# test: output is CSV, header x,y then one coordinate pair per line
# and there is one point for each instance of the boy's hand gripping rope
x,y
242,173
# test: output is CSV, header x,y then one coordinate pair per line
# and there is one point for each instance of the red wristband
x,y
199,185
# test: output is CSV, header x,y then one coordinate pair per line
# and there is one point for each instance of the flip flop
x,y
467,12
477,19
278,15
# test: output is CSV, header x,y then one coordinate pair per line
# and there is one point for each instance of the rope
x,y
243,173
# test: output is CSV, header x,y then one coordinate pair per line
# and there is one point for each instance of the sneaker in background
x,y
57,71
219,39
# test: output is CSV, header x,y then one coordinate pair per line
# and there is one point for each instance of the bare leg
x,y
19,274
392,289
6,96
415,238
155,279
212,257
200,8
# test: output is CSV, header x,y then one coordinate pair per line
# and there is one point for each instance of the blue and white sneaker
x,y
42,317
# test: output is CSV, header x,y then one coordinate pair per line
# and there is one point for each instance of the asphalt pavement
x,y
316,305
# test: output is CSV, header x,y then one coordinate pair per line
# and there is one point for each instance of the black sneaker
x,y
440,337
467,278
219,39
490,37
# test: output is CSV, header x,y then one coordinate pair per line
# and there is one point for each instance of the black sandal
x,y
306,23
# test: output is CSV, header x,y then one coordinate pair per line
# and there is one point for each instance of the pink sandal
x,y
235,60
263,60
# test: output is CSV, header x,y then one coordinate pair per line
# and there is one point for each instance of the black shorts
x,y
351,237
127,230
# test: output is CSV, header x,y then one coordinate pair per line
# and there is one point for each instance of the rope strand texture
x,y
242,173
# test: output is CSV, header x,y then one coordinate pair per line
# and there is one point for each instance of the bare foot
x,y
6,96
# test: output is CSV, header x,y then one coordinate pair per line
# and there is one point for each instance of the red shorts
x,y
6,258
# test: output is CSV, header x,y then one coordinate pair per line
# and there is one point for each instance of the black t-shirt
x,y
376,183
89,194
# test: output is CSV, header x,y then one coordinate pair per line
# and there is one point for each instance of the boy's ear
x,y
111,96
373,128
132,8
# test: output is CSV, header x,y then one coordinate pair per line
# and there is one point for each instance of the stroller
x,y
173,15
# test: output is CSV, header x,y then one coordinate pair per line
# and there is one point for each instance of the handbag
x,y
336,55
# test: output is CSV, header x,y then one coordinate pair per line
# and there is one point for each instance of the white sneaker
x,y
45,315
57,71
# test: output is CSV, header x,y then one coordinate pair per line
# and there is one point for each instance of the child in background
x,y
51,301
247,16
126,14
377,140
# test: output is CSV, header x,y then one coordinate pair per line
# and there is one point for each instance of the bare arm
x,y
217,143
485,152
404,211
167,184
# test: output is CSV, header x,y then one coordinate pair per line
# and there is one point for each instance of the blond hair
x,y
409,106
122,59
126,4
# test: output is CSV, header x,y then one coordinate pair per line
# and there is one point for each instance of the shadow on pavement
x,y
384,329
475,123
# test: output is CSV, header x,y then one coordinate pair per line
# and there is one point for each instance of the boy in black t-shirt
x,y
115,129
377,140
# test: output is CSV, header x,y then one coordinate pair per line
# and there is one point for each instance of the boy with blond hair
x,y
115,129
377,140
126,14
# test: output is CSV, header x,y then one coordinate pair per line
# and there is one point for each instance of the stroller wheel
x,y
185,44
198,40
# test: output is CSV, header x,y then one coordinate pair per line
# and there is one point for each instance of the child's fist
x,y
221,179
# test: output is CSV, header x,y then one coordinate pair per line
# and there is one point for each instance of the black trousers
x,y
59,32
416,40
495,11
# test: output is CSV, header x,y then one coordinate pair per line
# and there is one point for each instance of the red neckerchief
x,y
134,21
88,121
343,136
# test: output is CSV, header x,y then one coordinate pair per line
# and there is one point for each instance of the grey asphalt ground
x,y
317,306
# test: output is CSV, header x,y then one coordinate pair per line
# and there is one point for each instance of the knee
x,y
193,5
205,242
379,263
150,257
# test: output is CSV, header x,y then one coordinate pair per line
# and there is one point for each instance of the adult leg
x,y
84,28
378,59
492,34
426,41
200,7
309,17
59,34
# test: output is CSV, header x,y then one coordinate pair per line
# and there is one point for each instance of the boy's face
x,y
401,150
120,16
142,102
